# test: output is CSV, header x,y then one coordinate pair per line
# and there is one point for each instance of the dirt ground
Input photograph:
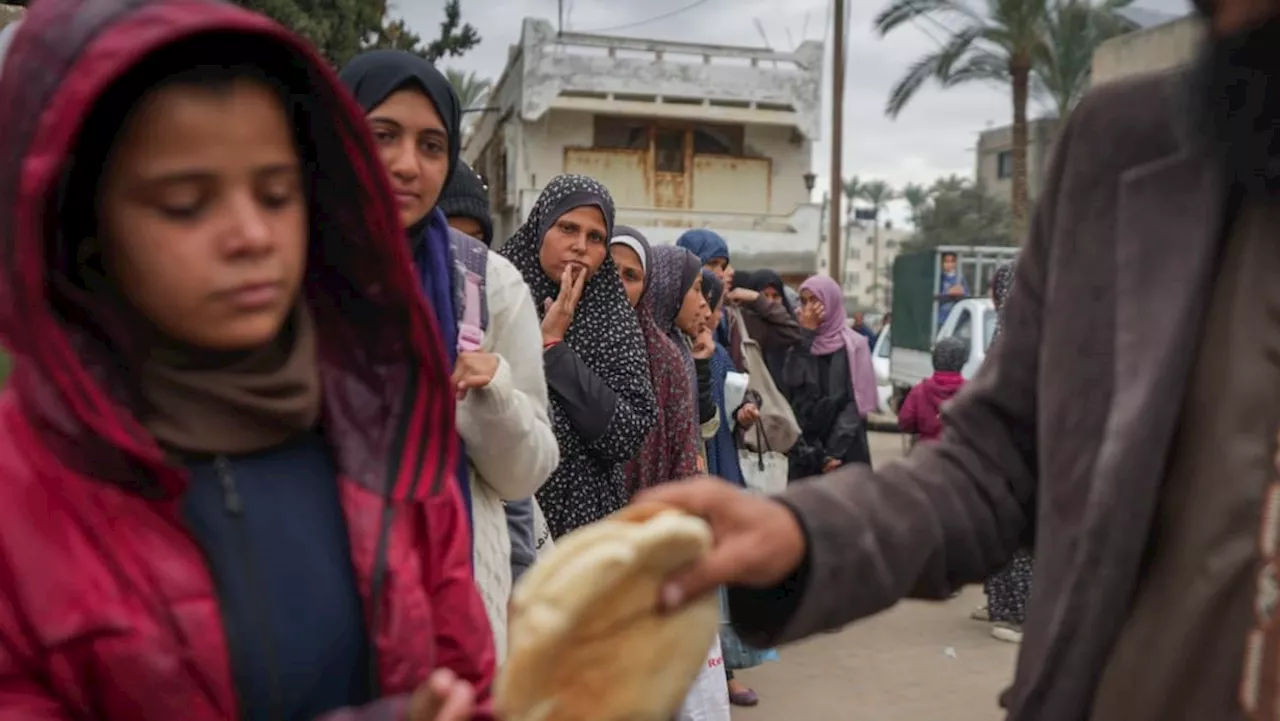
x,y
915,662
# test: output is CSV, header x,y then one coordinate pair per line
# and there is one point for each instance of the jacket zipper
x,y
234,506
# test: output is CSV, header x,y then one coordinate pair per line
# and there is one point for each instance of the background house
x,y
866,287
1159,47
994,158
1155,41
685,135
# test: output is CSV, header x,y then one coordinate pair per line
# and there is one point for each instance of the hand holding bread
x,y
588,640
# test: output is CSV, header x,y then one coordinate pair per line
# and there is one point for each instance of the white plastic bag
x,y
735,390
708,699
763,472
542,543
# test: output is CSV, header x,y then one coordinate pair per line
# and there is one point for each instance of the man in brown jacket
x,y
1125,423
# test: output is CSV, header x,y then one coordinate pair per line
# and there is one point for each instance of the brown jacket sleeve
x,y
949,514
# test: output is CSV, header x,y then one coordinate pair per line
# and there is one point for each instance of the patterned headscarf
x,y
670,451
605,335
1001,287
671,274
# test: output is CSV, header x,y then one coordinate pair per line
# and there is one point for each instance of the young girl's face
x,y
203,216
631,270
414,146
693,310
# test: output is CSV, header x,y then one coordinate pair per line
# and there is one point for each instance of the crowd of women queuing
x,y
249,472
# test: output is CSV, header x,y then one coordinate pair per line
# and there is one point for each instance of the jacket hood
x,y
941,386
380,352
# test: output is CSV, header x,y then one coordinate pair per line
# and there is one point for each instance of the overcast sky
x,y
933,136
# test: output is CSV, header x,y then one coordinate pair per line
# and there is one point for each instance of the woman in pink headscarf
x,y
832,387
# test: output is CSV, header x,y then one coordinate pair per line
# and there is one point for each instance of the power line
x,y
654,19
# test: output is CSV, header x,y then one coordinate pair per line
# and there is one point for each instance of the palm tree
x,y
1073,31
472,89
878,193
917,197
950,184
999,45
852,191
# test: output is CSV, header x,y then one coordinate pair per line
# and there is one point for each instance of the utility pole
x,y
560,24
837,144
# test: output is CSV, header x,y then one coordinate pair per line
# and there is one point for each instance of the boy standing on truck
x,y
922,408
952,285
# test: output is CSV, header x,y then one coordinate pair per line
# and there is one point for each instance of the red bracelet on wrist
x,y
549,344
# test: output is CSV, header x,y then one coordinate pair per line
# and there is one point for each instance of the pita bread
x,y
587,640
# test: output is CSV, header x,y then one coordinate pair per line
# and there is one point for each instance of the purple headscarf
x,y
834,333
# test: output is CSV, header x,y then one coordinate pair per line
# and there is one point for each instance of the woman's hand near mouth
x,y
560,312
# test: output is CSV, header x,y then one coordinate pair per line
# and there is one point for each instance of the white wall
x,y
791,160
1151,50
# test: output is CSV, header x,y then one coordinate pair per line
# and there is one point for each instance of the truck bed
x,y
907,367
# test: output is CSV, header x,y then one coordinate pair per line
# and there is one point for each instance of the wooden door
x,y
671,156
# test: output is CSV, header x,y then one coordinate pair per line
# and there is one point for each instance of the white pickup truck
x,y
972,320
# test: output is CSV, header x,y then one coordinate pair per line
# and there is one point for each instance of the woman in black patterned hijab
x,y
602,402
1008,590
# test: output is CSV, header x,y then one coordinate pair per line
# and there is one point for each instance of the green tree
x,y
878,193
1073,31
338,28
998,44
342,28
917,197
456,37
852,191
472,89
960,212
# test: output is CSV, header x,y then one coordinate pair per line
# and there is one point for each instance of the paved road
x,y
916,662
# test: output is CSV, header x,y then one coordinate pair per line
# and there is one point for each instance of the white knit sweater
x,y
510,445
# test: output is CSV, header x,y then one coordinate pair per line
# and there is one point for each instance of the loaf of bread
x,y
588,642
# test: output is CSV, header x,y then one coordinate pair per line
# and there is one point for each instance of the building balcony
x,y
631,76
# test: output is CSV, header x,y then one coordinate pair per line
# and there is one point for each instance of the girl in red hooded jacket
x,y
921,411
228,446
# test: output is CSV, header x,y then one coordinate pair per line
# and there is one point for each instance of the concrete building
x,y
1153,49
994,157
685,135
1155,41
866,286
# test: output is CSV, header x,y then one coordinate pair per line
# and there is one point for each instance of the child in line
x,y
922,407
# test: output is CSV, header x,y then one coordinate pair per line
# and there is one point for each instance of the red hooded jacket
x,y
107,609
921,411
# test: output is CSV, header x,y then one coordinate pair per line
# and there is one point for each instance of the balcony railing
x,y
661,71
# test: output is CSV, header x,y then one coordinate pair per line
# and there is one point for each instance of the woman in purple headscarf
x,y
832,386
